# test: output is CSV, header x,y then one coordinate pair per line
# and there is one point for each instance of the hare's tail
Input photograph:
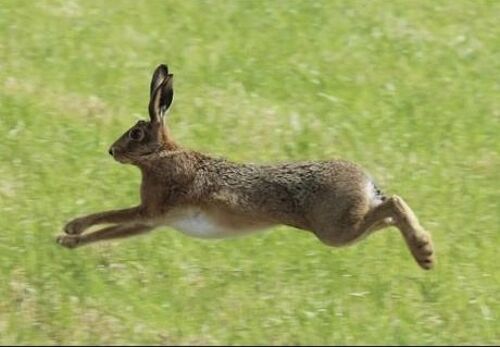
x,y
378,192
374,193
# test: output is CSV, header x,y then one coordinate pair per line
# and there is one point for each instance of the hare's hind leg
x,y
112,232
354,232
392,211
418,240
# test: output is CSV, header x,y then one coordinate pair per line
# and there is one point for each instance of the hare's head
x,y
146,138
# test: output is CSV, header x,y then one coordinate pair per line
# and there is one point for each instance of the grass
x,y
408,89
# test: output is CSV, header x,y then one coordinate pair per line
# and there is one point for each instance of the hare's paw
x,y
423,251
69,241
75,227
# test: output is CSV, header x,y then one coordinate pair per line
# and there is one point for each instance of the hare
x,y
209,197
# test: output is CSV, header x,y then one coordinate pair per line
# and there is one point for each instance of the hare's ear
x,y
161,72
161,98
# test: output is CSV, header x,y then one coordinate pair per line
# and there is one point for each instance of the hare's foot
x,y
421,248
418,240
75,227
69,241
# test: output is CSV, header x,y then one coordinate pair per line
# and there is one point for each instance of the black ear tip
x,y
163,67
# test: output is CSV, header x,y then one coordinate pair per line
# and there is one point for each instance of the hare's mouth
x,y
122,158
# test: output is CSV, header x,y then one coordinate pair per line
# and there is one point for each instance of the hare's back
x,y
336,174
332,193
338,182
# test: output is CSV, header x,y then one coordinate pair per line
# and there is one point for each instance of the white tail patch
x,y
373,195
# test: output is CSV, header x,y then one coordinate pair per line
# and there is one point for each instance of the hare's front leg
x,y
112,232
125,216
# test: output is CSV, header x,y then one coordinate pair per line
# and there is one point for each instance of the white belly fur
x,y
197,223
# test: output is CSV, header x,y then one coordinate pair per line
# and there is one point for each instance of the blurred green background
x,y
408,89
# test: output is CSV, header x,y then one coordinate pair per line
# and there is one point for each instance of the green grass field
x,y
408,89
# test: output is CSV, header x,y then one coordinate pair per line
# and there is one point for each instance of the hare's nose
x,y
111,151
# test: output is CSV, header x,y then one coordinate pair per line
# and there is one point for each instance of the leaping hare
x,y
210,197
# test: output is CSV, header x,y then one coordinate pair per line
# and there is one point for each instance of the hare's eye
x,y
136,134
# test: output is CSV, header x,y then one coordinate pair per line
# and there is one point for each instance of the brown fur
x,y
335,200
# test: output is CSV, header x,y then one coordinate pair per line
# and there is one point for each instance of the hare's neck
x,y
159,158
165,163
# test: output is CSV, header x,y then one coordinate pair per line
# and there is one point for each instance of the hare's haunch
x,y
209,197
